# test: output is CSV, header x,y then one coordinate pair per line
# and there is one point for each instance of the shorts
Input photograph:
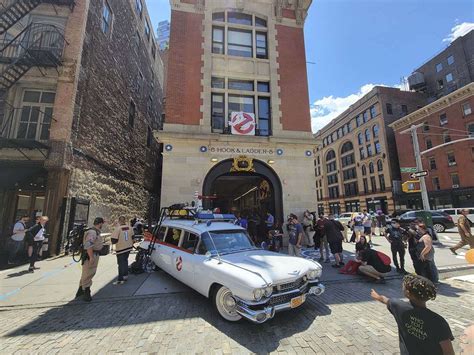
x,y
367,230
336,247
358,229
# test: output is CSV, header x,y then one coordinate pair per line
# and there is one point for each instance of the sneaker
x,y
118,283
453,251
125,278
31,269
36,268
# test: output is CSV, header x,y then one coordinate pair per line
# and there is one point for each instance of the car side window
x,y
190,241
173,235
161,233
450,212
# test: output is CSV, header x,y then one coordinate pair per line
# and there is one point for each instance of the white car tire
x,y
225,304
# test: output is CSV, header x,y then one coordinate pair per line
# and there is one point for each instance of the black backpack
x,y
76,239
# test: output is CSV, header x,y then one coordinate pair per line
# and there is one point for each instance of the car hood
x,y
273,267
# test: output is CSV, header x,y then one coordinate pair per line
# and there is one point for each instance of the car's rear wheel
x,y
225,304
439,228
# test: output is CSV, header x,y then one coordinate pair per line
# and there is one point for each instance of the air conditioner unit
x,y
452,163
455,186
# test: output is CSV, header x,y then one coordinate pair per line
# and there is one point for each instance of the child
x,y
421,331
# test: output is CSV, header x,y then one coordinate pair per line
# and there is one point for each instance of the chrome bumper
x,y
268,312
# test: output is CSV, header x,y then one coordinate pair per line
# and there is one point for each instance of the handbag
x,y
350,268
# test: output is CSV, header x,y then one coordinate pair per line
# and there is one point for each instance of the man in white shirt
x,y
17,239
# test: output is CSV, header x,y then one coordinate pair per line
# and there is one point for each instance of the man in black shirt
x,y
373,266
420,330
395,236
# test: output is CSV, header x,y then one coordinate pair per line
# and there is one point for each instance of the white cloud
x,y
459,30
328,108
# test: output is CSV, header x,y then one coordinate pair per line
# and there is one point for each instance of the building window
x,y
369,150
449,77
367,135
379,165
330,167
432,161
373,112
131,113
139,7
349,174
429,143
378,147
446,137
239,18
264,118
147,30
217,83
137,40
366,186
426,127
362,153
349,126
404,110
451,159
217,113
218,40
389,109
382,182
373,184
263,86
455,180
153,49
466,109
351,189
149,137
244,85
371,167
330,155
239,43
450,59
334,192
443,119
218,17
470,129
348,160
344,130
347,147
332,179
359,120
360,138
440,84
365,116
364,170
436,185
439,67
106,18
261,42
260,22
35,115
375,131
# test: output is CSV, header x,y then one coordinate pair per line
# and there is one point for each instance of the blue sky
x,y
356,44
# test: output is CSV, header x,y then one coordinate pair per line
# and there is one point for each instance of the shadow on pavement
x,y
18,274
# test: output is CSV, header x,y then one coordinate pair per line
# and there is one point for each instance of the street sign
x,y
419,174
408,170
411,186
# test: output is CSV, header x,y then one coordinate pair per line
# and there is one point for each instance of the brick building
x,y
80,83
356,163
450,180
237,120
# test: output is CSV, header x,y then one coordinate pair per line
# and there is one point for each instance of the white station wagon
x,y
218,260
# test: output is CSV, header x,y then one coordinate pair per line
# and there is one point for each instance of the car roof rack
x,y
181,211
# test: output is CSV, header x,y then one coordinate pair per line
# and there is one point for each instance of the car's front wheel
x,y
225,304
439,228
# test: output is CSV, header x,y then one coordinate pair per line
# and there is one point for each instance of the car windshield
x,y
226,242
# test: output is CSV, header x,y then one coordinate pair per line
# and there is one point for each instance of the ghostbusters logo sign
x,y
242,123
179,263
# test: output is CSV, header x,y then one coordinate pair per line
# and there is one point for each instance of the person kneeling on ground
x,y
421,331
122,237
373,266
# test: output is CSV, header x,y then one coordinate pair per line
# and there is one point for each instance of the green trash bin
x,y
426,217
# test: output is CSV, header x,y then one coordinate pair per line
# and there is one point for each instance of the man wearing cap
x,y
464,228
93,243
395,236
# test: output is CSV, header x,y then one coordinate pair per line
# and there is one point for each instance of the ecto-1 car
x,y
218,259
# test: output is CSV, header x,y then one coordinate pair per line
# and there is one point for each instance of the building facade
x,y
237,126
163,35
450,181
356,164
81,87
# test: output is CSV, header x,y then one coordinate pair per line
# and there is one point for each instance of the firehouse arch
x,y
222,170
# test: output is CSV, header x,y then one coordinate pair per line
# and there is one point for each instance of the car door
x,y
407,218
184,258
157,256
168,249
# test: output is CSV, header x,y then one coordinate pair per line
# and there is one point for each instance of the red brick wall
x,y
462,151
287,13
183,89
293,80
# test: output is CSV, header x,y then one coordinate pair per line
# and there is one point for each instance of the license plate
x,y
297,301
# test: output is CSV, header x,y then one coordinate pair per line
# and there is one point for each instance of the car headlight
x,y
314,274
268,291
258,294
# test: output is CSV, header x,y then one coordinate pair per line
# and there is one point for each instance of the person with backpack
x,y
34,237
122,237
92,245
421,331
332,230
375,265
17,239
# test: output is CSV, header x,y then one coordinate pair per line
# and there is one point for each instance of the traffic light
x,y
411,186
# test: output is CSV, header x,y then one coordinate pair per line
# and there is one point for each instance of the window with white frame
x,y
439,67
451,159
449,77
443,119
450,59
466,109
35,115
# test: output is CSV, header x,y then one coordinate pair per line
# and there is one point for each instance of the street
x,y
154,313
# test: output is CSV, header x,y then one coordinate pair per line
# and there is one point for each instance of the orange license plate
x,y
297,301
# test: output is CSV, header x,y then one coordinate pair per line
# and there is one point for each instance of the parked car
x,y
456,212
346,217
441,220
218,259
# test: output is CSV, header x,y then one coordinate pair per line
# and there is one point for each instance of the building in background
x,y
163,35
356,163
80,86
237,125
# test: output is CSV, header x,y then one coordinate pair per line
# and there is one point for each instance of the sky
x,y
353,45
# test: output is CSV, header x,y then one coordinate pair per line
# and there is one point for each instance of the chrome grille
x,y
289,286
277,300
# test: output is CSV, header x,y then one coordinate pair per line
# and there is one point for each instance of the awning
x,y
22,176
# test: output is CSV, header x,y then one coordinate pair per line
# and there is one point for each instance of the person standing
x,y
333,229
464,229
358,226
381,222
240,221
35,240
420,330
296,236
367,224
323,244
395,235
122,237
93,244
308,226
269,222
425,254
17,240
